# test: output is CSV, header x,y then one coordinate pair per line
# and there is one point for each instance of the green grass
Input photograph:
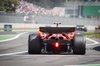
x,y
86,65
92,34
4,37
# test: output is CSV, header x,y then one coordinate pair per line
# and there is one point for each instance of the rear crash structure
x,y
56,40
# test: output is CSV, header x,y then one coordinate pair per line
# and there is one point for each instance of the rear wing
x,y
57,29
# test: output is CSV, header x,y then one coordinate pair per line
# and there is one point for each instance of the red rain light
x,y
56,44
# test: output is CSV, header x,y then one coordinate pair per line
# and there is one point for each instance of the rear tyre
x,y
79,43
34,46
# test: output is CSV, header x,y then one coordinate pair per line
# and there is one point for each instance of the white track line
x,y
12,53
13,37
94,42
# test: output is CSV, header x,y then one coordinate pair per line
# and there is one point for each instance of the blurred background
x,y
36,13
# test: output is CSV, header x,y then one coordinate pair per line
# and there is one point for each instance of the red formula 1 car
x,y
56,40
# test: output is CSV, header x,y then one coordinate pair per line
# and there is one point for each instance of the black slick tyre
x,y
79,43
34,46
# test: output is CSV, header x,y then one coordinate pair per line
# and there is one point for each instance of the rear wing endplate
x,y
57,29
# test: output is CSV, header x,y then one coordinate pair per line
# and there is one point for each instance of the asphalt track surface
x,y
14,53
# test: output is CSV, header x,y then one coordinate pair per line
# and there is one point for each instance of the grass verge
x,y
92,34
4,37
